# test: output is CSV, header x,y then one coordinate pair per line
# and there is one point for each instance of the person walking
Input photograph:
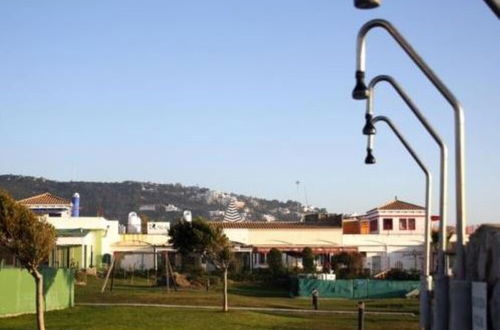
x,y
315,298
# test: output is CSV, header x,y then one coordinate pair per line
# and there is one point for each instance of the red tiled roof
x,y
270,225
399,205
45,199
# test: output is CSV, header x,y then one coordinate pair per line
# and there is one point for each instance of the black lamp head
x,y
367,4
369,128
360,91
370,159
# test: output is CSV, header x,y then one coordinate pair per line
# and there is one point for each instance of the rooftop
x,y
45,199
272,225
78,232
399,205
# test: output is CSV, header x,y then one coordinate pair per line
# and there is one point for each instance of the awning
x,y
71,237
315,249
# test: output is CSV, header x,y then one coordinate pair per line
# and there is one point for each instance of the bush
x,y
81,277
397,274
275,262
308,260
237,265
348,265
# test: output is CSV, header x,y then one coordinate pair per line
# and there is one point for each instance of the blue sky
x,y
244,96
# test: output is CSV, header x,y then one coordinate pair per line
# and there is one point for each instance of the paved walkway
x,y
257,309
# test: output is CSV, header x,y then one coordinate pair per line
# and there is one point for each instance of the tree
x,y
30,239
348,265
275,262
219,252
189,239
308,260
200,237
144,223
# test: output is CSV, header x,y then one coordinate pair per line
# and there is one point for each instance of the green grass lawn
x,y
158,318
243,295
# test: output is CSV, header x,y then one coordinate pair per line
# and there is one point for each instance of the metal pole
x,y
440,290
425,278
361,315
460,318
167,275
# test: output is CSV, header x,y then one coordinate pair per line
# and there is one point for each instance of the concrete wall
x,y
139,261
150,239
17,290
287,237
388,251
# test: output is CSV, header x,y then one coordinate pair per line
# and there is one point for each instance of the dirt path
x,y
258,309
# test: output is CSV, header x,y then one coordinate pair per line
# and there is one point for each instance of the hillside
x,y
115,200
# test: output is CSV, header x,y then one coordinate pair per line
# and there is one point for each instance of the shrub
x,y
397,274
81,277
308,260
348,265
275,262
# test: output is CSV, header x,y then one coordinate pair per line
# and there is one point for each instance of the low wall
x,y
17,290
483,265
354,289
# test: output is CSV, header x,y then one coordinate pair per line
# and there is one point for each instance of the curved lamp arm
x,y
436,137
361,92
428,185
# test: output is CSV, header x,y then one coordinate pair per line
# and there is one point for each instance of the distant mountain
x,y
160,202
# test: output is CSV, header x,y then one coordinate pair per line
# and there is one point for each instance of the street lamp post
x,y
425,280
439,141
441,283
460,293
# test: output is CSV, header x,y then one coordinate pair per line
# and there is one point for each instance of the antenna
x,y
305,193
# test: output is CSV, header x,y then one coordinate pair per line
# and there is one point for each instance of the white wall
x,y
237,235
391,249
137,262
395,215
158,228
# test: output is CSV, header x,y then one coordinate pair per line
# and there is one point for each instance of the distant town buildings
x,y
387,236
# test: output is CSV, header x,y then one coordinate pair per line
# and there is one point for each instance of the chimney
x,y
75,205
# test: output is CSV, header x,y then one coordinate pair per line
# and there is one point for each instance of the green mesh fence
x,y
17,290
354,289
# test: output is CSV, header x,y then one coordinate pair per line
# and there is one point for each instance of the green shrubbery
x,y
402,275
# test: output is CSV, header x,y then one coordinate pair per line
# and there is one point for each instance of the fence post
x,y
361,315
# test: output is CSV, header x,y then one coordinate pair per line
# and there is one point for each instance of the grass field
x,y
90,317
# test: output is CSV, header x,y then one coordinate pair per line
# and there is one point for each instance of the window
x,y
387,224
411,224
373,225
403,225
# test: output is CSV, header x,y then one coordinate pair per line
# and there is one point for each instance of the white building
x,y
171,208
48,204
394,238
158,228
397,217
288,237
147,207
83,242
